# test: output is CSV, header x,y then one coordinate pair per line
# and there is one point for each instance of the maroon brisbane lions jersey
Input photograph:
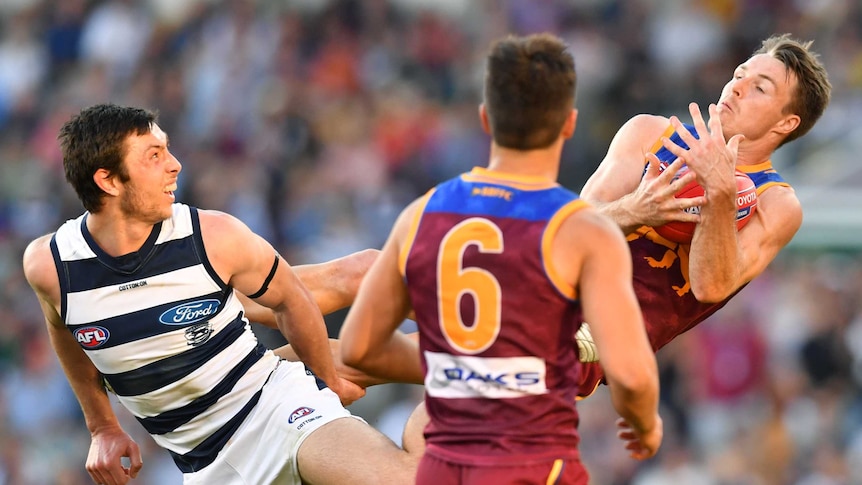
x,y
661,280
496,323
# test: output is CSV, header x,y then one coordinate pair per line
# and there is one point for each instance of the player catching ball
x,y
773,98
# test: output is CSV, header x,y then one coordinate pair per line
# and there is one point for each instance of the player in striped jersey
x,y
495,264
140,299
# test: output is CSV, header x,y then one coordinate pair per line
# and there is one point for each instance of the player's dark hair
x,y
529,90
813,89
95,138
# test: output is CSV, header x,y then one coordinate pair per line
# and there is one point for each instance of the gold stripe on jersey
x,y
520,182
658,144
563,286
411,233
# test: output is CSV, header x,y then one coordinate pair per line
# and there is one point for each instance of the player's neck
x,y
116,234
543,162
755,152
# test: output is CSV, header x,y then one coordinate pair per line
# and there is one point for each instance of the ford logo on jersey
x,y
191,312
92,337
299,413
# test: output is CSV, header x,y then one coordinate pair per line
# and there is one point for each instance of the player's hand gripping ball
x,y
746,204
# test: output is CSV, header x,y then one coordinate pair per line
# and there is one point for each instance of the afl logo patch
x,y
92,337
191,312
299,413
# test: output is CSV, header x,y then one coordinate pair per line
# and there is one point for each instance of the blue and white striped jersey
x,y
166,332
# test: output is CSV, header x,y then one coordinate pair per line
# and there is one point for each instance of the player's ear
x,y
570,124
106,181
787,124
483,117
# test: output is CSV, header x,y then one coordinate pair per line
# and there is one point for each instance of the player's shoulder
x,y
588,224
38,262
647,127
781,204
218,221
222,233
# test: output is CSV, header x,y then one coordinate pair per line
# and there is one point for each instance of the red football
x,y
746,204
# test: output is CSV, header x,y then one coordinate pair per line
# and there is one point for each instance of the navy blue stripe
x,y
87,274
167,371
201,252
173,419
321,384
665,155
762,178
62,273
145,323
206,452
456,197
128,263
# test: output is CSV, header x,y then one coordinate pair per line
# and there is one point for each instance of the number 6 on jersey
x,y
454,281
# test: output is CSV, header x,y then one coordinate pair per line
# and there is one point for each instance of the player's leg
x,y
348,450
413,437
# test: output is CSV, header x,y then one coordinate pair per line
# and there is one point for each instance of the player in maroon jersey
x,y
497,264
774,97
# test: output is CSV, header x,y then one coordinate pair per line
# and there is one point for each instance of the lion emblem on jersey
x,y
198,334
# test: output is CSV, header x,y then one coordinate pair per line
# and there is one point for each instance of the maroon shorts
x,y
436,471
591,376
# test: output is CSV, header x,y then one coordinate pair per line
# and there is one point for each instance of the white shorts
x,y
263,449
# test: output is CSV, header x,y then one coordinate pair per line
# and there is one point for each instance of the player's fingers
x,y
689,202
653,168
135,461
733,143
697,120
117,476
96,477
676,185
672,147
715,123
672,170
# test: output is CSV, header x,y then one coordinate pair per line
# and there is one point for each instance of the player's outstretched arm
x,y
621,190
610,305
109,443
258,270
333,284
369,338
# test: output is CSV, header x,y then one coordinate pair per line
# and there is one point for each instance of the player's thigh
x,y
348,450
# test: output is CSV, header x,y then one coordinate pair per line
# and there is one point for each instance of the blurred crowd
x,y
316,121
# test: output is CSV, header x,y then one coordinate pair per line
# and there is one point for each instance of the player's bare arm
x,y
369,338
296,313
333,285
604,274
620,189
109,443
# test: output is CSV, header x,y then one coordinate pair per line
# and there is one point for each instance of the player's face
x,y
753,102
153,172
